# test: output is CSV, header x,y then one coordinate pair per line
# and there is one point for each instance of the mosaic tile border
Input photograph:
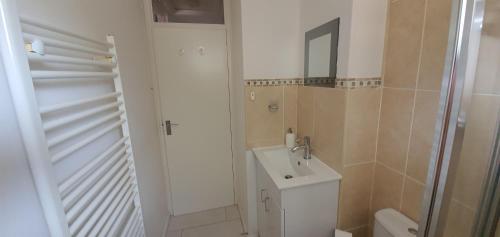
x,y
320,81
274,82
340,83
356,83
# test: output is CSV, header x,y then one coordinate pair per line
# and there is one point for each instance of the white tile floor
x,y
220,222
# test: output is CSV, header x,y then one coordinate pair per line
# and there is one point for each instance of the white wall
x,y
271,39
367,38
21,212
317,12
124,19
273,36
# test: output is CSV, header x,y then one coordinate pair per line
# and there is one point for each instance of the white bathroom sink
x,y
290,170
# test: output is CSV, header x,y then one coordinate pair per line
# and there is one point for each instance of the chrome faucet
x,y
306,147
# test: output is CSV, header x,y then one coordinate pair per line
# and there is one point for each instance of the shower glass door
x,y
462,194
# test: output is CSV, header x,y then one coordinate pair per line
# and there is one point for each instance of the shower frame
x,y
455,98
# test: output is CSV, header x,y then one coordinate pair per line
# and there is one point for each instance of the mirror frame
x,y
333,28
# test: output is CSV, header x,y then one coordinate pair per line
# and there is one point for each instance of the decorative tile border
x,y
340,83
356,83
274,82
320,81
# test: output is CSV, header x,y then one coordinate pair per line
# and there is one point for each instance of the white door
x,y
193,74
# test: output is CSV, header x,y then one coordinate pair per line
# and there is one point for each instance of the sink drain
x,y
288,176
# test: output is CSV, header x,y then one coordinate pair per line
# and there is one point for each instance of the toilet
x,y
391,223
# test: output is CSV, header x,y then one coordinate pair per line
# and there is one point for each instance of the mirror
x,y
320,56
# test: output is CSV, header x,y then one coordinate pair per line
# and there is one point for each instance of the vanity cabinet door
x,y
270,216
274,219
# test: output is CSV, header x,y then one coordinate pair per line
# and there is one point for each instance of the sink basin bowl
x,y
290,170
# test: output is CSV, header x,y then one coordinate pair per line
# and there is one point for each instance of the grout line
x,y
412,114
472,209
405,167
410,89
390,168
486,94
400,173
414,180
398,88
372,191
359,163
357,227
283,114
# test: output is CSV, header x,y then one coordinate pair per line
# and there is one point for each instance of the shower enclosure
x,y
462,192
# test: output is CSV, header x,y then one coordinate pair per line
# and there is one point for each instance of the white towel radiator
x,y
69,101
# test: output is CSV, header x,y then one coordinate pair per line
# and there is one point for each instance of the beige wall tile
x,y
387,188
305,114
476,149
362,124
403,43
422,135
360,231
435,44
264,128
394,128
488,68
290,108
459,221
329,119
412,199
355,196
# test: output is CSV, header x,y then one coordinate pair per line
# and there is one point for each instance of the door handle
x,y
266,208
262,191
168,126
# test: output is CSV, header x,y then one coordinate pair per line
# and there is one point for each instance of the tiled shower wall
x,y
416,43
415,55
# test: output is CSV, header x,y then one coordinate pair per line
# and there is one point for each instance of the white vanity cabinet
x,y
270,216
303,206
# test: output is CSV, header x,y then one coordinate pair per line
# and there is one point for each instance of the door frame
x,y
155,86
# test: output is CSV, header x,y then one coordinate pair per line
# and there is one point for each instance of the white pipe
x,y
25,104
110,201
53,108
93,177
35,23
47,58
128,225
69,80
65,45
113,214
134,227
77,199
93,202
138,229
65,136
91,166
62,154
70,74
75,117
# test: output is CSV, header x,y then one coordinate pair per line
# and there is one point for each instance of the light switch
x,y
252,95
